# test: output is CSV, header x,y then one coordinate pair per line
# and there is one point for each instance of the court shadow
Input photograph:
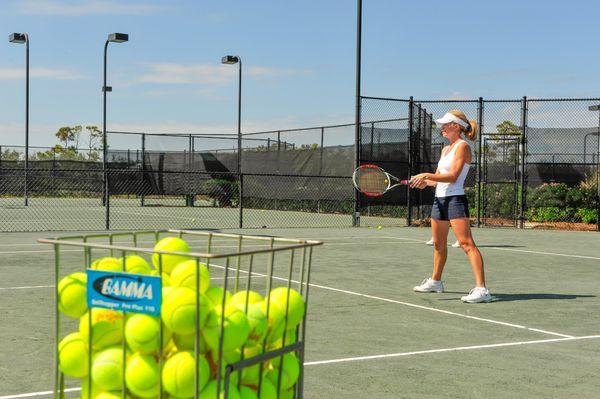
x,y
522,297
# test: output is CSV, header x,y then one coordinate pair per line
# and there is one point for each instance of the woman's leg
x,y
462,229
439,229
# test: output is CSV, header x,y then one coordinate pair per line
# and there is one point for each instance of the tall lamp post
x,y
597,108
112,38
21,38
357,110
230,60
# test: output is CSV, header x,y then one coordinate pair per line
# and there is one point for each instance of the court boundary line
x,y
445,350
375,357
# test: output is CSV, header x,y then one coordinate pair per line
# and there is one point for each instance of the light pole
x,y
230,60
357,110
597,108
21,38
112,38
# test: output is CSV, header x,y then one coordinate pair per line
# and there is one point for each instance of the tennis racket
x,y
373,181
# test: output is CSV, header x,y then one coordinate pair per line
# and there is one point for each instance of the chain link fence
x,y
536,163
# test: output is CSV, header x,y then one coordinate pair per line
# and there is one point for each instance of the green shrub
x,y
548,195
587,215
222,192
547,214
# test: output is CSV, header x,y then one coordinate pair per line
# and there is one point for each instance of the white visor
x,y
448,117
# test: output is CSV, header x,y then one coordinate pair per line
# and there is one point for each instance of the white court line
x,y
459,348
517,250
33,394
373,357
545,253
26,288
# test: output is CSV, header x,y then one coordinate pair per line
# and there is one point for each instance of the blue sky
x,y
298,59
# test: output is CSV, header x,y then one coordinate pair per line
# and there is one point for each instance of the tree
x,y
94,142
65,134
76,131
10,155
508,132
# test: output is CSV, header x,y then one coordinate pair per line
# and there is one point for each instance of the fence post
x,y
320,168
278,141
372,134
523,145
479,157
189,200
142,175
240,184
598,178
410,138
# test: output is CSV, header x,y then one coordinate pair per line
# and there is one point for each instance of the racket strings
x,y
372,180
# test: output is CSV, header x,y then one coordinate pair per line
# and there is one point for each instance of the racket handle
x,y
405,182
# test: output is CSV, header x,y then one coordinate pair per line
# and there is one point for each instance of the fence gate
x,y
500,182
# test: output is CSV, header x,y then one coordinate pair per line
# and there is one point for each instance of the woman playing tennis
x,y
450,206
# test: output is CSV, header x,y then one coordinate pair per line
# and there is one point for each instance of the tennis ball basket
x,y
180,314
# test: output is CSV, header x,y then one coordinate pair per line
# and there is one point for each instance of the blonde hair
x,y
471,131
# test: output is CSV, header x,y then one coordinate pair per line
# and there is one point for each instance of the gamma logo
x,y
123,288
126,292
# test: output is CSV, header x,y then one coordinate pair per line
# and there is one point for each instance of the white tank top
x,y
444,166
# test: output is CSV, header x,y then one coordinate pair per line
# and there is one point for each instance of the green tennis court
x,y
369,335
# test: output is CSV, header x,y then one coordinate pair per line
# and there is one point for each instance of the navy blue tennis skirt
x,y
451,207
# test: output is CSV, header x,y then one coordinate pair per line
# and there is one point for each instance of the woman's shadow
x,y
525,297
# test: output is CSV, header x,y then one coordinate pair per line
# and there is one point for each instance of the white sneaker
x,y
430,242
477,294
429,285
456,244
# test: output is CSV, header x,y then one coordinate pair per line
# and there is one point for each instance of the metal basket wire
x,y
258,263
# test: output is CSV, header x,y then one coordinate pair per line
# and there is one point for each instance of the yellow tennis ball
x,y
142,375
250,374
257,320
267,391
275,321
109,264
165,278
72,299
290,338
142,333
188,342
379,227
215,296
178,375
136,264
289,393
86,393
210,391
228,358
73,355
289,372
184,275
235,328
108,395
179,310
296,305
241,297
107,369
169,262
107,327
